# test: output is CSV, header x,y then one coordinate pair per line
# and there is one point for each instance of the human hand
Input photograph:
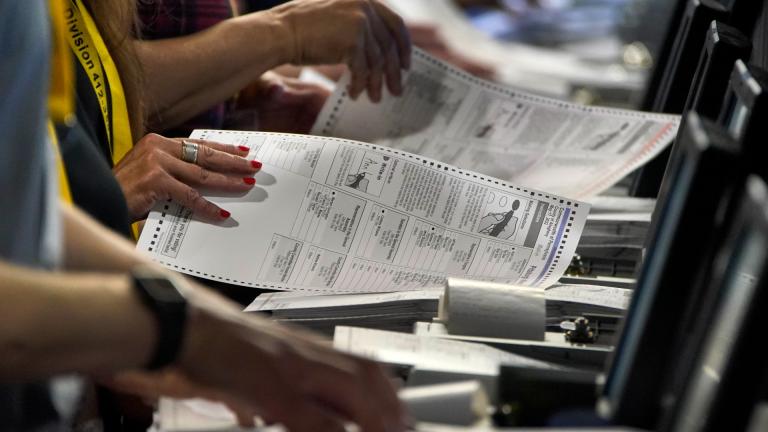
x,y
428,38
153,171
283,104
261,368
365,34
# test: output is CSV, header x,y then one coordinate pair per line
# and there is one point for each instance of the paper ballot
x,y
337,216
548,144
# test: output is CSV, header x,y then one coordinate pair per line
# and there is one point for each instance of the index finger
x,y
385,388
353,394
193,200
399,32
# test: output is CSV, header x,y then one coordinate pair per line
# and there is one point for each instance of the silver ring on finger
x,y
189,151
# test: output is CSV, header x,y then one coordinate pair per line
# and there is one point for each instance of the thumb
x,y
288,96
275,92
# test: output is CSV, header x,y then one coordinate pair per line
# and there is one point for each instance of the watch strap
x,y
168,305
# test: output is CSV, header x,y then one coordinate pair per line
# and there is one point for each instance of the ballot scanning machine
x,y
723,371
679,250
658,341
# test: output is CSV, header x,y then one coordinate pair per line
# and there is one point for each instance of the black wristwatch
x,y
169,306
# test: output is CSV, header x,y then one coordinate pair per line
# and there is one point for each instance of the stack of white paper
x,y
474,310
429,353
614,233
611,247
623,205
603,297
386,311
614,236
618,222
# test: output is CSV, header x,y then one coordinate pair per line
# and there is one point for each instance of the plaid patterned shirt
x,y
162,19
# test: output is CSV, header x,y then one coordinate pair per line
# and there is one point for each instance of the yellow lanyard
x,y
64,192
91,51
61,94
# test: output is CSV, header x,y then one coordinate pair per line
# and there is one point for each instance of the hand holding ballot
x,y
339,216
368,37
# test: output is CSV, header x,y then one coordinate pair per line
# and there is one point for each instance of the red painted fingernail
x,y
249,180
243,148
224,214
256,164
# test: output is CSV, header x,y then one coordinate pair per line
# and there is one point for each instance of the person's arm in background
x,y
186,75
93,323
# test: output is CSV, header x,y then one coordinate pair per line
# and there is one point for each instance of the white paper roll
x,y
475,308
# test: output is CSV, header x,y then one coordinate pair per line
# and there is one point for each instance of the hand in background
x,y
428,38
364,34
283,104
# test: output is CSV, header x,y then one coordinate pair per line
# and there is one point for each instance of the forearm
x,y
55,323
196,103
89,246
187,75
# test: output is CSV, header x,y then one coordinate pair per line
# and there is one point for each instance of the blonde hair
x,y
118,23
